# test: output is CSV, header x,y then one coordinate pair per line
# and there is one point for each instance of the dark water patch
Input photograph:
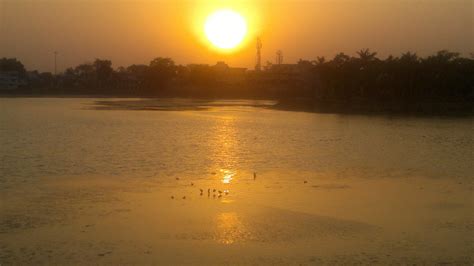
x,y
331,186
443,205
174,104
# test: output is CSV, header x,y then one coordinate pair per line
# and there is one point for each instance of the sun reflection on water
x,y
229,228
227,176
224,145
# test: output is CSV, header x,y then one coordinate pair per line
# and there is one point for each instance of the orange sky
x,y
128,32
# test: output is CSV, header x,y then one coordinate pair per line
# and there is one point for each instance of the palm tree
x,y
341,59
320,60
409,57
366,56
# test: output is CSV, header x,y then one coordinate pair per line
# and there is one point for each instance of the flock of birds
x,y
214,191
219,192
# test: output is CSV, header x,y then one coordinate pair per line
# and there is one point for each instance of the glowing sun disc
x,y
225,29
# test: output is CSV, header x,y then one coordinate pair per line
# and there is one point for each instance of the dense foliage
x,y
12,64
408,77
444,76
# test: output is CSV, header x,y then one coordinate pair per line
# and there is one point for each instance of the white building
x,y
10,80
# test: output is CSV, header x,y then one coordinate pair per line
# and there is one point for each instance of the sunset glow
x,y
225,29
236,132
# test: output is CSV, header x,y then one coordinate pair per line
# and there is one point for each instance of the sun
x,y
225,29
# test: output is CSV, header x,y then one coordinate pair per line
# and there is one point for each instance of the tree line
x,y
409,77
444,76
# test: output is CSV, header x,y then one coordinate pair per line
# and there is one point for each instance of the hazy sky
x,y
128,32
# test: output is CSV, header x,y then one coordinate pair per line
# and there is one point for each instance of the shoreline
x,y
365,107
356,107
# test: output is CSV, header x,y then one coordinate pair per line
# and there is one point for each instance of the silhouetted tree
x,y
12,64
159,73
340,59
85,76
363,79
103,71
366,56
320,60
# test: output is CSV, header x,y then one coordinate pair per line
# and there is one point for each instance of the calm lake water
x,y
65,137
137,181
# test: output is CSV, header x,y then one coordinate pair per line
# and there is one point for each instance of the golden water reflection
x,y
224,144
230,228
227,176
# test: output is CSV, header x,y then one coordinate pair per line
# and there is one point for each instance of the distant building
x,y
10,80
33,77
283,75
285,72
229,75
285,79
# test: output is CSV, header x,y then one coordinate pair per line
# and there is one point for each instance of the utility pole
x,y
55,63
279,57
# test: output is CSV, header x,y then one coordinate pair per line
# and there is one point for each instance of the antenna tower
x,y
258,59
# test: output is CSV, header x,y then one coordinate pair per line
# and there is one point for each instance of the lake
x,y
118,180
